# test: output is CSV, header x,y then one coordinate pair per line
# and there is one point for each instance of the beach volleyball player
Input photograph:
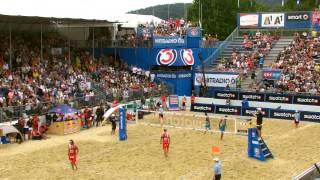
x,y
72,153
165,141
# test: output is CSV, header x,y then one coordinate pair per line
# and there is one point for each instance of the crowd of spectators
x,y
209,40
298,62
60,77
170,27
251,55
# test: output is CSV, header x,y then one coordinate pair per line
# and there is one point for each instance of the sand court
x,y
140,157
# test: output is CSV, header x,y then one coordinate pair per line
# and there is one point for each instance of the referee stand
x,y
257,148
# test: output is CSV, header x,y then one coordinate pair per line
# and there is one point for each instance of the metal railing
x,y
11,113
311,173
210,44
216,54
281,32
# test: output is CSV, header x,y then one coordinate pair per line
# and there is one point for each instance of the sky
x,y
89,9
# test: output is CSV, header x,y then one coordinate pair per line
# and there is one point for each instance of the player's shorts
x,y
222,128
73,159
26,130
165,145
207,127
183,104
259,127
160,115
297,122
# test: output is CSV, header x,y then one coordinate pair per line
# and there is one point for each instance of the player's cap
x,y
216,159
259,109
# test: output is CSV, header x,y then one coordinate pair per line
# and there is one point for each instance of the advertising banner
x,y
251,111
194,32
173,102
282,114
279,98
178,82
309,100
71,126
216,79
298,19
272,74
168,41
122,125
198,107
232,110
316,17
248,20
310,116
171,75
272,20
226,94
252,96
173,57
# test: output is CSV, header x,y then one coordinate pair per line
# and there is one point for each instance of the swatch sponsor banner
x,y
226,94
198,107
279,98
216,79
232,110
251,96
308,100
168,41
282,114
272,20
251,111
310,116
248,20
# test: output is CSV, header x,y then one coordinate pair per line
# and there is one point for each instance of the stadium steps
x,y
265,150
227,51
271,57
277,48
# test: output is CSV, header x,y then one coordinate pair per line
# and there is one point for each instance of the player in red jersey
x,y
165,141
72,153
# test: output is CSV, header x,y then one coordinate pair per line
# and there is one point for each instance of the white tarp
x,y
7,129
111,110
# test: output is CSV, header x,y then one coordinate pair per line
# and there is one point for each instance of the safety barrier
x,y
249,111
288,98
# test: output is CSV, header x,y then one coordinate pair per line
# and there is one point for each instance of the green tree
x,y
220,17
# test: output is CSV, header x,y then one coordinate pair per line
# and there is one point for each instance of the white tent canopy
x,y
133,20
72,9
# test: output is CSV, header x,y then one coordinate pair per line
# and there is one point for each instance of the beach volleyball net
x,y
192,120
